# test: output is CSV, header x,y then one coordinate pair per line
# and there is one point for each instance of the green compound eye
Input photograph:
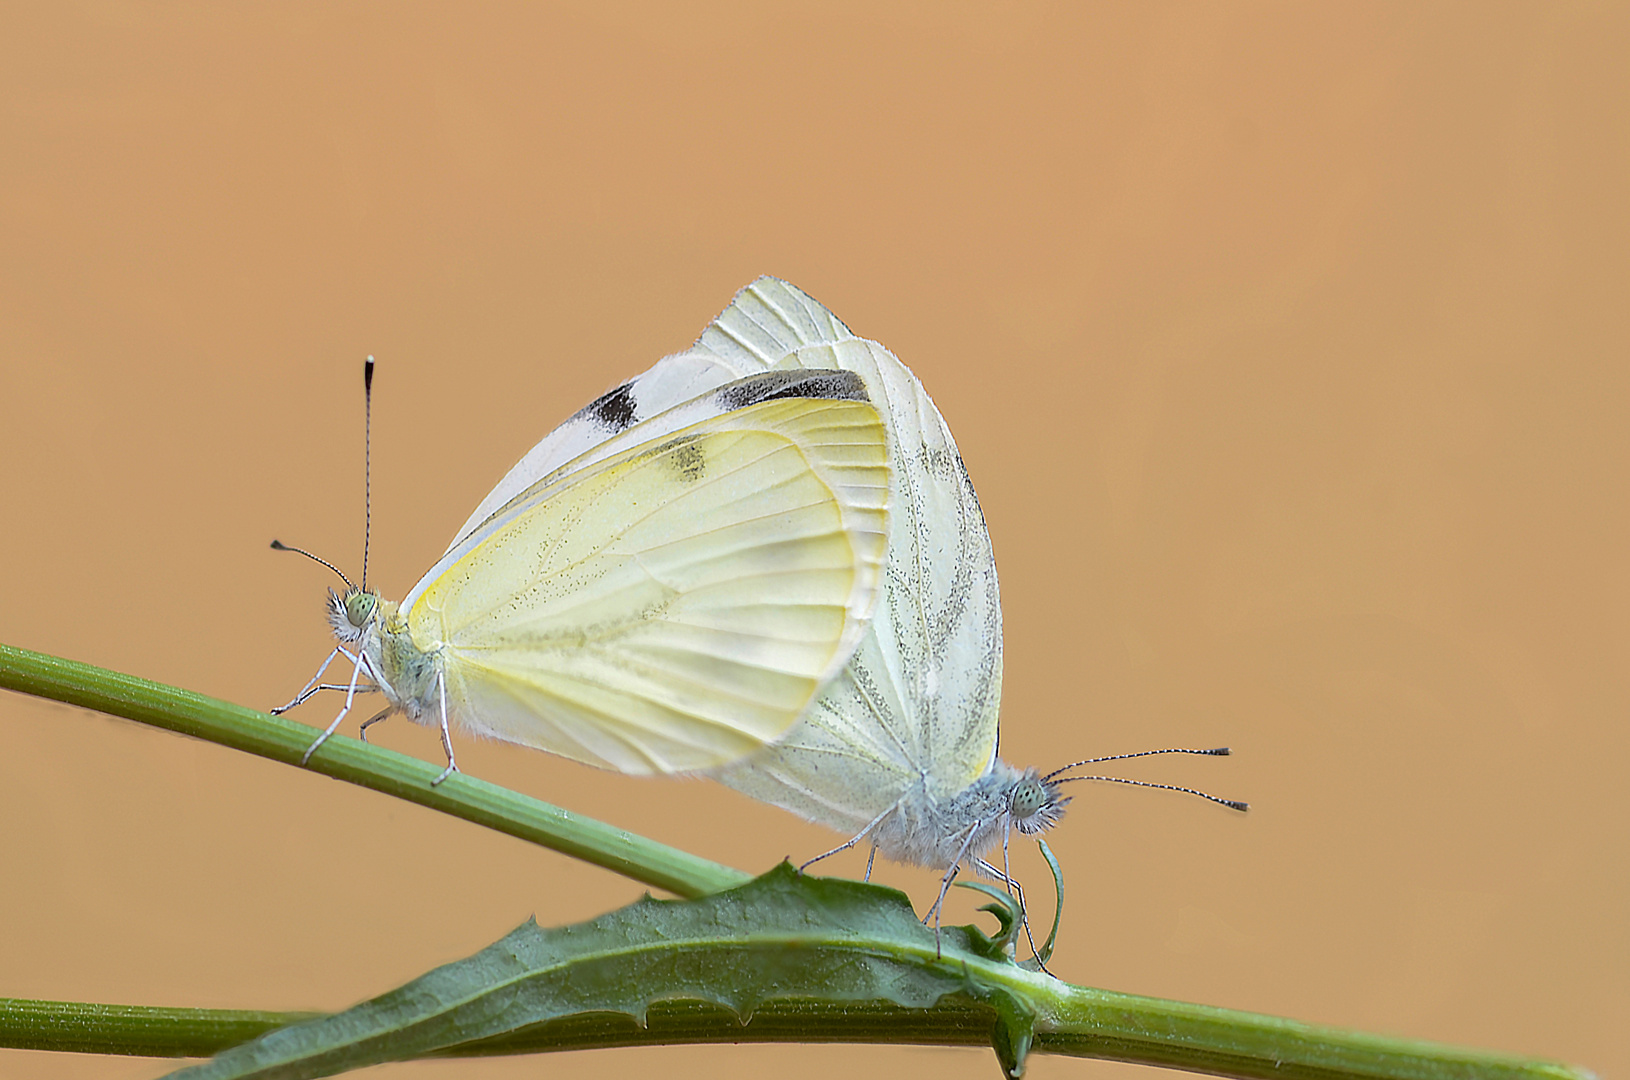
x,y
359,608
1029,796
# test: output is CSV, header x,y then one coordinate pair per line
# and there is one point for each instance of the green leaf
x,y
1015,1026
1045,953
782,936
1009,918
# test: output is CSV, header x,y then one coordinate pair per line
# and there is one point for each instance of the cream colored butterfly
x,y
901,747
649,594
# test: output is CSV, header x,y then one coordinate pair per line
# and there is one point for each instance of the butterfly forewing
x,y
917,705
764,323
628,409
675,606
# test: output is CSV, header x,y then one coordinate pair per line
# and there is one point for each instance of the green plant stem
x,y
1085,1023
1203,1038
366,765
77,1027
1074,1021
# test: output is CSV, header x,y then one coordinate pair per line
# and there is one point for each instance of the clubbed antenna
x,y
1221,751
1232,804
367,464
278,545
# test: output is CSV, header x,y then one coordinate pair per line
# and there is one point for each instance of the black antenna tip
x,y
1221,751
277,545
368,374
1235,804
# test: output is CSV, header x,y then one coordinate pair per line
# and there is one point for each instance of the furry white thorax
x,y
940,834
405,673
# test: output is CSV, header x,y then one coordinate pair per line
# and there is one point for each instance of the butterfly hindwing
x,y
675,605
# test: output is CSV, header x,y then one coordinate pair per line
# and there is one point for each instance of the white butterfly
x,y
657,596
901,747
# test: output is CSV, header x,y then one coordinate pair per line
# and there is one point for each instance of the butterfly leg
x,y
350,696
362,732
939,903
446,737
1017,892
362,688
945,884
851,842
871,858
312,687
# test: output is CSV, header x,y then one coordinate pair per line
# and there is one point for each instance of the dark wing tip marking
x,y
615,410
773,385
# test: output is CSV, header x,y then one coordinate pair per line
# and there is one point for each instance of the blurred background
x,y
1286,346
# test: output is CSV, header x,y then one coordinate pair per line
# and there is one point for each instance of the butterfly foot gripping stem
x,y
305,758
446,736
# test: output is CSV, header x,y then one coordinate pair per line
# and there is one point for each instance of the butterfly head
x,y
1035,804
352,612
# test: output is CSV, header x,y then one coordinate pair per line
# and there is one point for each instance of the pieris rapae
x,y
900,748
664,594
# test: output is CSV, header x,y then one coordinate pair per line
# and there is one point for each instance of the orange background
x,y
1285,344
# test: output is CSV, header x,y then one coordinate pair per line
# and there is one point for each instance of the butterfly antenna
x,y
1232,804
1221,751
278,545
367,464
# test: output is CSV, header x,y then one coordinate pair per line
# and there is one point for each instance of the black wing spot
x,y
682,455
802,383
689,462
613,410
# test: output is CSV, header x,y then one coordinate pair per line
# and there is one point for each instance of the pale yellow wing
x,y
676,606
